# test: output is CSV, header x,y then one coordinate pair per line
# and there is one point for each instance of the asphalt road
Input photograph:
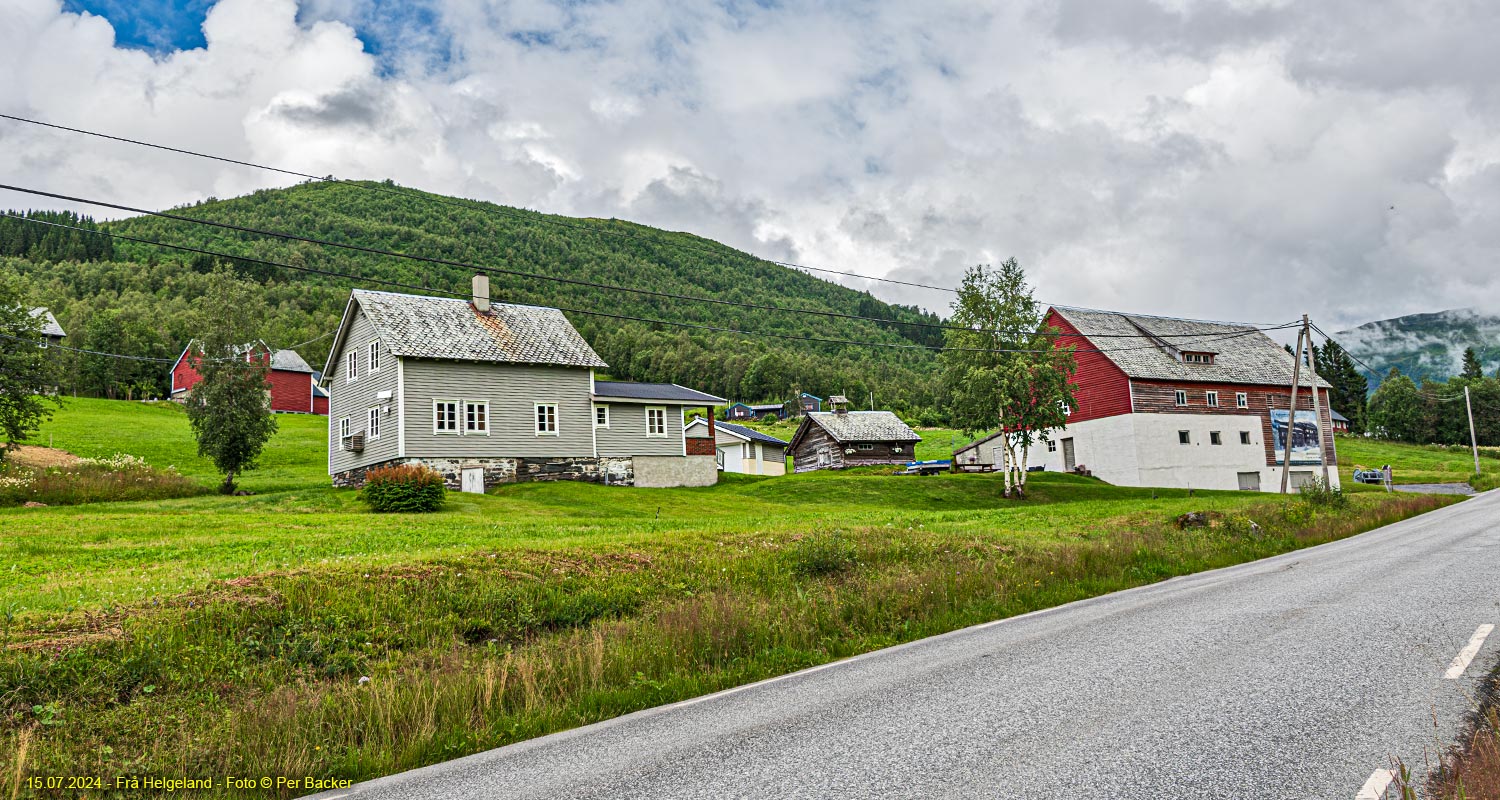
x,y
1294,677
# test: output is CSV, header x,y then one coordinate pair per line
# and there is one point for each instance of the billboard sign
x,y
1305,448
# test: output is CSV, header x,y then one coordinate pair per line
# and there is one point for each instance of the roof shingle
x,y
863,426
450,329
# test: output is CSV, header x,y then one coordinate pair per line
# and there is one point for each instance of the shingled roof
x,y
289,361
859,426
450,329
49,322
1141,346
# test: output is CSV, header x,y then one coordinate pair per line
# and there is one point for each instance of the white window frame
x,y
536,419
351,365
344,428
601,407
374,356
1180,397
1241,400
664,427
1215,438
455,407
372,422
865,446
1184,437
464,424
1212,399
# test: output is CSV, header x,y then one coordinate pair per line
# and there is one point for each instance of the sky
x,y
1240,160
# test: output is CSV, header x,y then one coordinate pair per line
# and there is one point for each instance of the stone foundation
x,y
497,471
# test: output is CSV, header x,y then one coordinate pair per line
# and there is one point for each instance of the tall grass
x,y
91,480
357,672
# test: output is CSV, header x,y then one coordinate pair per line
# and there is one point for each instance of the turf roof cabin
x,y
840,439
489,393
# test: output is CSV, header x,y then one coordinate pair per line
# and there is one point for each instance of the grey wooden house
x,y
488,393
840,439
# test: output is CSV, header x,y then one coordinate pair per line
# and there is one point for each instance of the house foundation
x,y
500,471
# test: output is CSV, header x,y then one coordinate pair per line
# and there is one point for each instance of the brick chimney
x,y
482,293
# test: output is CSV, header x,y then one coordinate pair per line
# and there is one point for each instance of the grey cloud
x,y
357,106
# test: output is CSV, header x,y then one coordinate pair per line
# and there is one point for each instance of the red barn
x,y
294,386
1185,403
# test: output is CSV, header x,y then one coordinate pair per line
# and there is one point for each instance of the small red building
x,y
294,387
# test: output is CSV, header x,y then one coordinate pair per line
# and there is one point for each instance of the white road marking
x,y
1374,788
1461,661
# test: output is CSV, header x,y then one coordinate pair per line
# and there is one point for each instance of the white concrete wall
x,y
729,448
662,472
732,451
1144,450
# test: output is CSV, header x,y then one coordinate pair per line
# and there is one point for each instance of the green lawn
x,y
227,635
1411,463
296,457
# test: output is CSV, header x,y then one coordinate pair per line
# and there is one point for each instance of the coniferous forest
x,y
138,299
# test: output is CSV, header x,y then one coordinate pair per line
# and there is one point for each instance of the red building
x,y
294,386
1185,403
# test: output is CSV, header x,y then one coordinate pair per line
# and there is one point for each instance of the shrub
x,y
405,488
1317,492
822,554
769,419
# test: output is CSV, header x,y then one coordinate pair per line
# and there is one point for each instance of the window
x,y
1244,437
1067,410
1181,397
867,446
477,417
1241,400
1198,358
1215,438
1184,438
375,356
1213,399
353,369
656,422
445,416
601,416
344,428
747,451
546,419
372,423
1051,446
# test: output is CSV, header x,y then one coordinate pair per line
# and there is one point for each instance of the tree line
x,y
1435,412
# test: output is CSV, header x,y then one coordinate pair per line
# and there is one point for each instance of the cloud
x,y
1173,156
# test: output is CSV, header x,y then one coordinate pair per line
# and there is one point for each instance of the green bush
x,y
403,489
769,419
822,554
1317,492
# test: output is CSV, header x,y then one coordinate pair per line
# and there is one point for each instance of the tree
x,y
1001,369
230,408
24,368
1472,370
1397,410
1350,389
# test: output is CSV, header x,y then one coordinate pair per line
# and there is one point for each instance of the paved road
x,y
1295,677
1435,488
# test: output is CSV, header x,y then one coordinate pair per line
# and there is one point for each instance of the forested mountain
x,y
137,298
1427,346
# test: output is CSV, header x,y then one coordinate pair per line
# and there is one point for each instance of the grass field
x,y
229,635
1416,463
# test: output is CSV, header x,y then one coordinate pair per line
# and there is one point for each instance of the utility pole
x,y
1473,440
1291,414
1312,366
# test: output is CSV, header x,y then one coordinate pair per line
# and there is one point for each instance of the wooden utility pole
x,y
1473,440
1291,414
1312,366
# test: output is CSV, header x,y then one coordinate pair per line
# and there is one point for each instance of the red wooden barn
x,y
294,386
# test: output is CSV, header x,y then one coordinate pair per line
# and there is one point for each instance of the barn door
x,y
1069,460
472,480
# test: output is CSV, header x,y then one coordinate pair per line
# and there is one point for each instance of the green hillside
x,y
143,294
1426,346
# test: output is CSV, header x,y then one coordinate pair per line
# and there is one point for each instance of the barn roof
x,y
859,426
289,361
1143,347
450,329
49,322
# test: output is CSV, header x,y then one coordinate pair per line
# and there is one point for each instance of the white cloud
x,y
1185,157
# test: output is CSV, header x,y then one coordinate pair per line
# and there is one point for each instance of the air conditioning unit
x,y
354,442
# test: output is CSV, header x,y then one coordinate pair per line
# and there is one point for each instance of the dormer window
x,y
1197,358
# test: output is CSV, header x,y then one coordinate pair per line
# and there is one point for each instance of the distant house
x,y
1340,422
744,450
838,439
293,382
742,411
52,333
491,393
981,455
810,402
1160,401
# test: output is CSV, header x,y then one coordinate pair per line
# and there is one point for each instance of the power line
x,y
473,205
624,317
536,276
51,346
1357,359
